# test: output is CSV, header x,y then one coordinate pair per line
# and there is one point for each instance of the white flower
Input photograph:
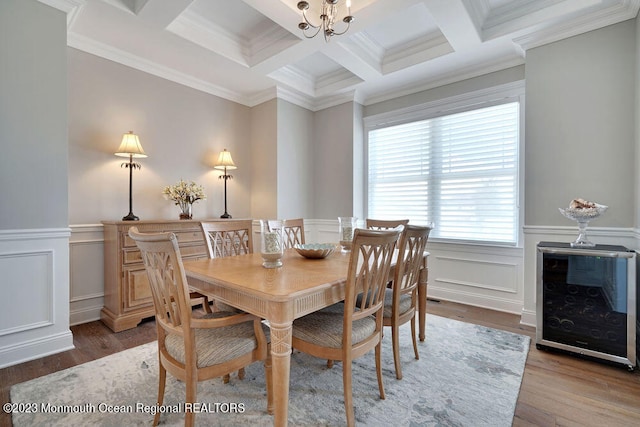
x,y
184,194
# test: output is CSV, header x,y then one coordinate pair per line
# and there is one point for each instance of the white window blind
x,y
459,171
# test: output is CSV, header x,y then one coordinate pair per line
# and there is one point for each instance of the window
x,y
458,170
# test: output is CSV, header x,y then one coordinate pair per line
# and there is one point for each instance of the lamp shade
x,y
130,146
225,161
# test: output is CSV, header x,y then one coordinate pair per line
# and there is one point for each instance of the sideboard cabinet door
x,y
127,296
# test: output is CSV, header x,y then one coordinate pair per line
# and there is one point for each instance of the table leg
x,y
281,362
422,302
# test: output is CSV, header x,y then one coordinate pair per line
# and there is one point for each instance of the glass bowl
x,y
582,216
315,250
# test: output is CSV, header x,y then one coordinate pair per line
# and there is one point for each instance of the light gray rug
x,y
467,375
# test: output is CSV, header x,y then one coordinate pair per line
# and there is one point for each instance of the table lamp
x,y
130,147
225,162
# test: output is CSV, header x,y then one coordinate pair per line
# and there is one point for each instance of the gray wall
x,y
181,130
333,156
33,116
295,161
580,124
34,227
264,155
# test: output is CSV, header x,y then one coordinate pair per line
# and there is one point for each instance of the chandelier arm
x,y
339,34
314,34
304,16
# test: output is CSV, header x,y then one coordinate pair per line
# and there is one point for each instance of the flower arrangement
x,y
184,194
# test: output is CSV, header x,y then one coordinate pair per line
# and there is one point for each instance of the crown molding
x,y
416,52
64,5
93,47
618,11
294,97
194,28
467,73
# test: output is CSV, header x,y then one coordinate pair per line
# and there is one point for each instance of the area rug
x,y
467,375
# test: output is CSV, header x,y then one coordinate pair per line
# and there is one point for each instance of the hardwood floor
x,y
557,389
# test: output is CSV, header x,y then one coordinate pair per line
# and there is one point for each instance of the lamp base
x,y
130,217
225,215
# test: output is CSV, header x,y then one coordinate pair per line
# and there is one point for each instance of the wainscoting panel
x,y
86,248
489,275
484,276
32,274
322,231
34,309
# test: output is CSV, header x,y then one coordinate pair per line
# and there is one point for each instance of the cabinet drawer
x,y
184,236
190,251
132,256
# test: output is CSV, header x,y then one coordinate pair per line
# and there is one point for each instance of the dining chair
x,y
401,300
293,232
195,349
228,238
346,331
384,224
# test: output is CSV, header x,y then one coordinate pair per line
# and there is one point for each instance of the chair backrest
x,y
227,238
411,247
384,224
167,280
293,232
371,255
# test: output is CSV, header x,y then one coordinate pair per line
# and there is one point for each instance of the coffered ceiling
x,y
249,51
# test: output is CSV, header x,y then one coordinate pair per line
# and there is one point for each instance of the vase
x,y
186,212
347,226
272,239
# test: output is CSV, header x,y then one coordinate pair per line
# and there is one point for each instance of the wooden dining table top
x,y
296,277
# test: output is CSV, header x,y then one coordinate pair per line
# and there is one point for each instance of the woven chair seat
x,y
404,306
324,327
216,345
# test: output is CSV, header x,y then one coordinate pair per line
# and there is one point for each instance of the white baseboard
x,y
35,349
473,299
86,315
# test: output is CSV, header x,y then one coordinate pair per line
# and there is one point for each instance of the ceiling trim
x,y
415,52
121,57
64,5
618,11
449,78
196,29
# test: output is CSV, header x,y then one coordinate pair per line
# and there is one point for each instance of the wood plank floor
x,y
557,389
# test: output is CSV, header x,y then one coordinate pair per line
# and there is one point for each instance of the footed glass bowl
x,y
315,250
582,217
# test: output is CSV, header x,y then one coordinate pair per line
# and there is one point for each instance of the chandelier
x,y
328,17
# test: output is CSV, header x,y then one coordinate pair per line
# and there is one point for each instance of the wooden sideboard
x,y
127,296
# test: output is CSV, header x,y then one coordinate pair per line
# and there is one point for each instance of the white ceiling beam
x,y
455,22
366,14
161,13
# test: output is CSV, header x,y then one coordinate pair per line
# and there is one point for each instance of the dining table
x,y
281,295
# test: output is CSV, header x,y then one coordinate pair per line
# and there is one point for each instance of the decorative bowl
x,y
315,250
583,215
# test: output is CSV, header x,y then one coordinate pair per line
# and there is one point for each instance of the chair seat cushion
x,y
324,327
216,345
404,306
